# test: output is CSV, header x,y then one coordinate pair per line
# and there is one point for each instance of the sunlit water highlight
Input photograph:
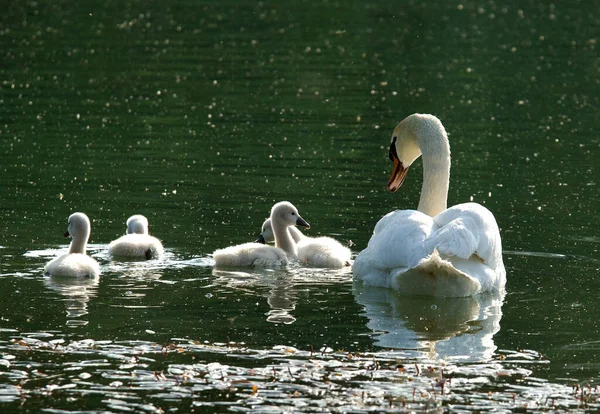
x,y
180,375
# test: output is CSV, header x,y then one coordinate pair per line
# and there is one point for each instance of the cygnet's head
x,y
266,233
78,227
285,213
137,224
267,236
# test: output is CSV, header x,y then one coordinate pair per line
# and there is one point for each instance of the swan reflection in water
x,y
76,294
426,327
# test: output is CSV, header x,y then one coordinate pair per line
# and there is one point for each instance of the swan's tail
x,y
435,276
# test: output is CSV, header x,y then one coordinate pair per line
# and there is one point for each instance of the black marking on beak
x,y
393,154
301,222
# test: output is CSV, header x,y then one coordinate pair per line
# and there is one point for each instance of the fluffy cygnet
x,y
75,263
317,251
283,215
137,243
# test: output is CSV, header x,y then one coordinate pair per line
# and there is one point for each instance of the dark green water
x,y
202,115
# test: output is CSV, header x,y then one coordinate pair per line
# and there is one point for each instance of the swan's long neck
x,y
436,170
283,239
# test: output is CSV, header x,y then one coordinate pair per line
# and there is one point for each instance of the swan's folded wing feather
x,y
465,230
456,238
398,237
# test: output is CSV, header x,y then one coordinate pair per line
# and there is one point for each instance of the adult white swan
x,y
313,251
137,243
75,263
433,251
283,215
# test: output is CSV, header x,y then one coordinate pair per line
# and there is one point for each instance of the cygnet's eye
x,y
293,214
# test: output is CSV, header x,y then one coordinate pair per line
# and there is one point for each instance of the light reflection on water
x,y
189,373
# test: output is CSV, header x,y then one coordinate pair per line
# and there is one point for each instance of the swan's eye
x,y
293,214
393,153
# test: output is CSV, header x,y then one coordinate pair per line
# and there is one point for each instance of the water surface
x,y
202,115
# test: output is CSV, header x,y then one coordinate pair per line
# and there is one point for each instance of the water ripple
x,y
188,373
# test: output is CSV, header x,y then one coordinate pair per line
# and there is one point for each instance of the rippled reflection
x,y
152,269
281,295
76,294
280,287
450,328
282,300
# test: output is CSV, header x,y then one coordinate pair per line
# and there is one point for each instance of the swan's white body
x,y
313,251
75,263
283,215
432,251
137,243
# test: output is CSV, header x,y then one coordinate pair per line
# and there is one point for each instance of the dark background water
x,y
202,115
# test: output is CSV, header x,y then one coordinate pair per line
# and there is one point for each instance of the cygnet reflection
x,y
76,294
449,328
281,294
282,300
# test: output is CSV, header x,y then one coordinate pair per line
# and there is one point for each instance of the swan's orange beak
x,y
398,174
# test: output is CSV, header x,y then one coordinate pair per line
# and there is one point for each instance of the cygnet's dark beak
x,y
261,240
301,222
66,234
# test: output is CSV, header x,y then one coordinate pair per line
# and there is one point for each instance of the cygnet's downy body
x,y
283,216
312,251
137,243
75,263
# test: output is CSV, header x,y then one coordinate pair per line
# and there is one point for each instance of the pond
x,y
202,115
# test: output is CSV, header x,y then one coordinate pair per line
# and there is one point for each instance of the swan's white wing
x,y
468,237
396,244
466,230
456,238
398,238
